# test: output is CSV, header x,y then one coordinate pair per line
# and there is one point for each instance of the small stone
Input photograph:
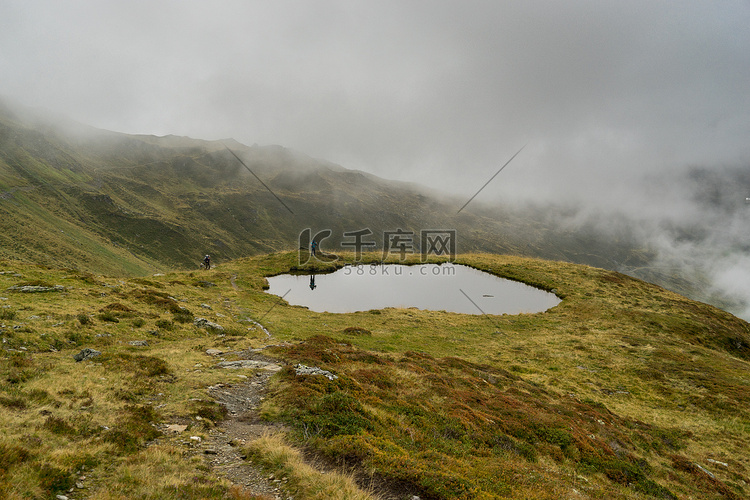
x,y
249,363
707,472
86,354
176,428
210,452
301,369
716,462
214,352
197,439
36,288
208,325
61,497
79,485
139,343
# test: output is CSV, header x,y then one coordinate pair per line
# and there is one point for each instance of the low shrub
x,y
59,426
13,402
355,330
133,429
54,479
214,412
108,316
165,324
7,314
183,317
11,455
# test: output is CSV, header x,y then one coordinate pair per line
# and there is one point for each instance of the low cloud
x,y
442,93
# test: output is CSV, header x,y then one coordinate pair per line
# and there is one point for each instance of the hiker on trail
x,y
207,262
313,247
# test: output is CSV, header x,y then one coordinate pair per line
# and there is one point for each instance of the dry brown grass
x,y
298,477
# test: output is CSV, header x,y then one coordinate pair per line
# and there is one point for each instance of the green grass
x,y
617,392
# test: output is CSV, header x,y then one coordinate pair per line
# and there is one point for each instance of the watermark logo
x,y
398,241
439,242
359,243
381,269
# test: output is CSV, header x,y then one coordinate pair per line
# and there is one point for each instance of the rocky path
x,y
223,449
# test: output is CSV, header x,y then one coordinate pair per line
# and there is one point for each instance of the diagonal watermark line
x,y
480,309
264,184
485,184
274,305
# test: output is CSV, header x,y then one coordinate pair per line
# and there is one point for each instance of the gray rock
x,y
36,288
86,354
313,370
707,472
263,328
214,352
139,343
723,464
249,363
208,325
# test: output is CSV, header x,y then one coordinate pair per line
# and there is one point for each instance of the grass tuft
x,y
133,428
301,480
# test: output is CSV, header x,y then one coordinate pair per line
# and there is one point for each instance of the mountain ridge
x,y
142,203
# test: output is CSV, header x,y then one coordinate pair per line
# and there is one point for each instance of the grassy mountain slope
x,y
141,203
623,390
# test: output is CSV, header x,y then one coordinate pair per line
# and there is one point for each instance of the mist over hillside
x,y
692,223
105,201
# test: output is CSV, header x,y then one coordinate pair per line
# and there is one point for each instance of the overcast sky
x,y
437,92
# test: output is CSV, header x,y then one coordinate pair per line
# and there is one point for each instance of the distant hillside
x,y
99,201
153,201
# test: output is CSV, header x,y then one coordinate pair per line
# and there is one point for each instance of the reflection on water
x,y
446,287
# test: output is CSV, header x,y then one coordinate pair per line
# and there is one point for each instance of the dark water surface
x,y
446,287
